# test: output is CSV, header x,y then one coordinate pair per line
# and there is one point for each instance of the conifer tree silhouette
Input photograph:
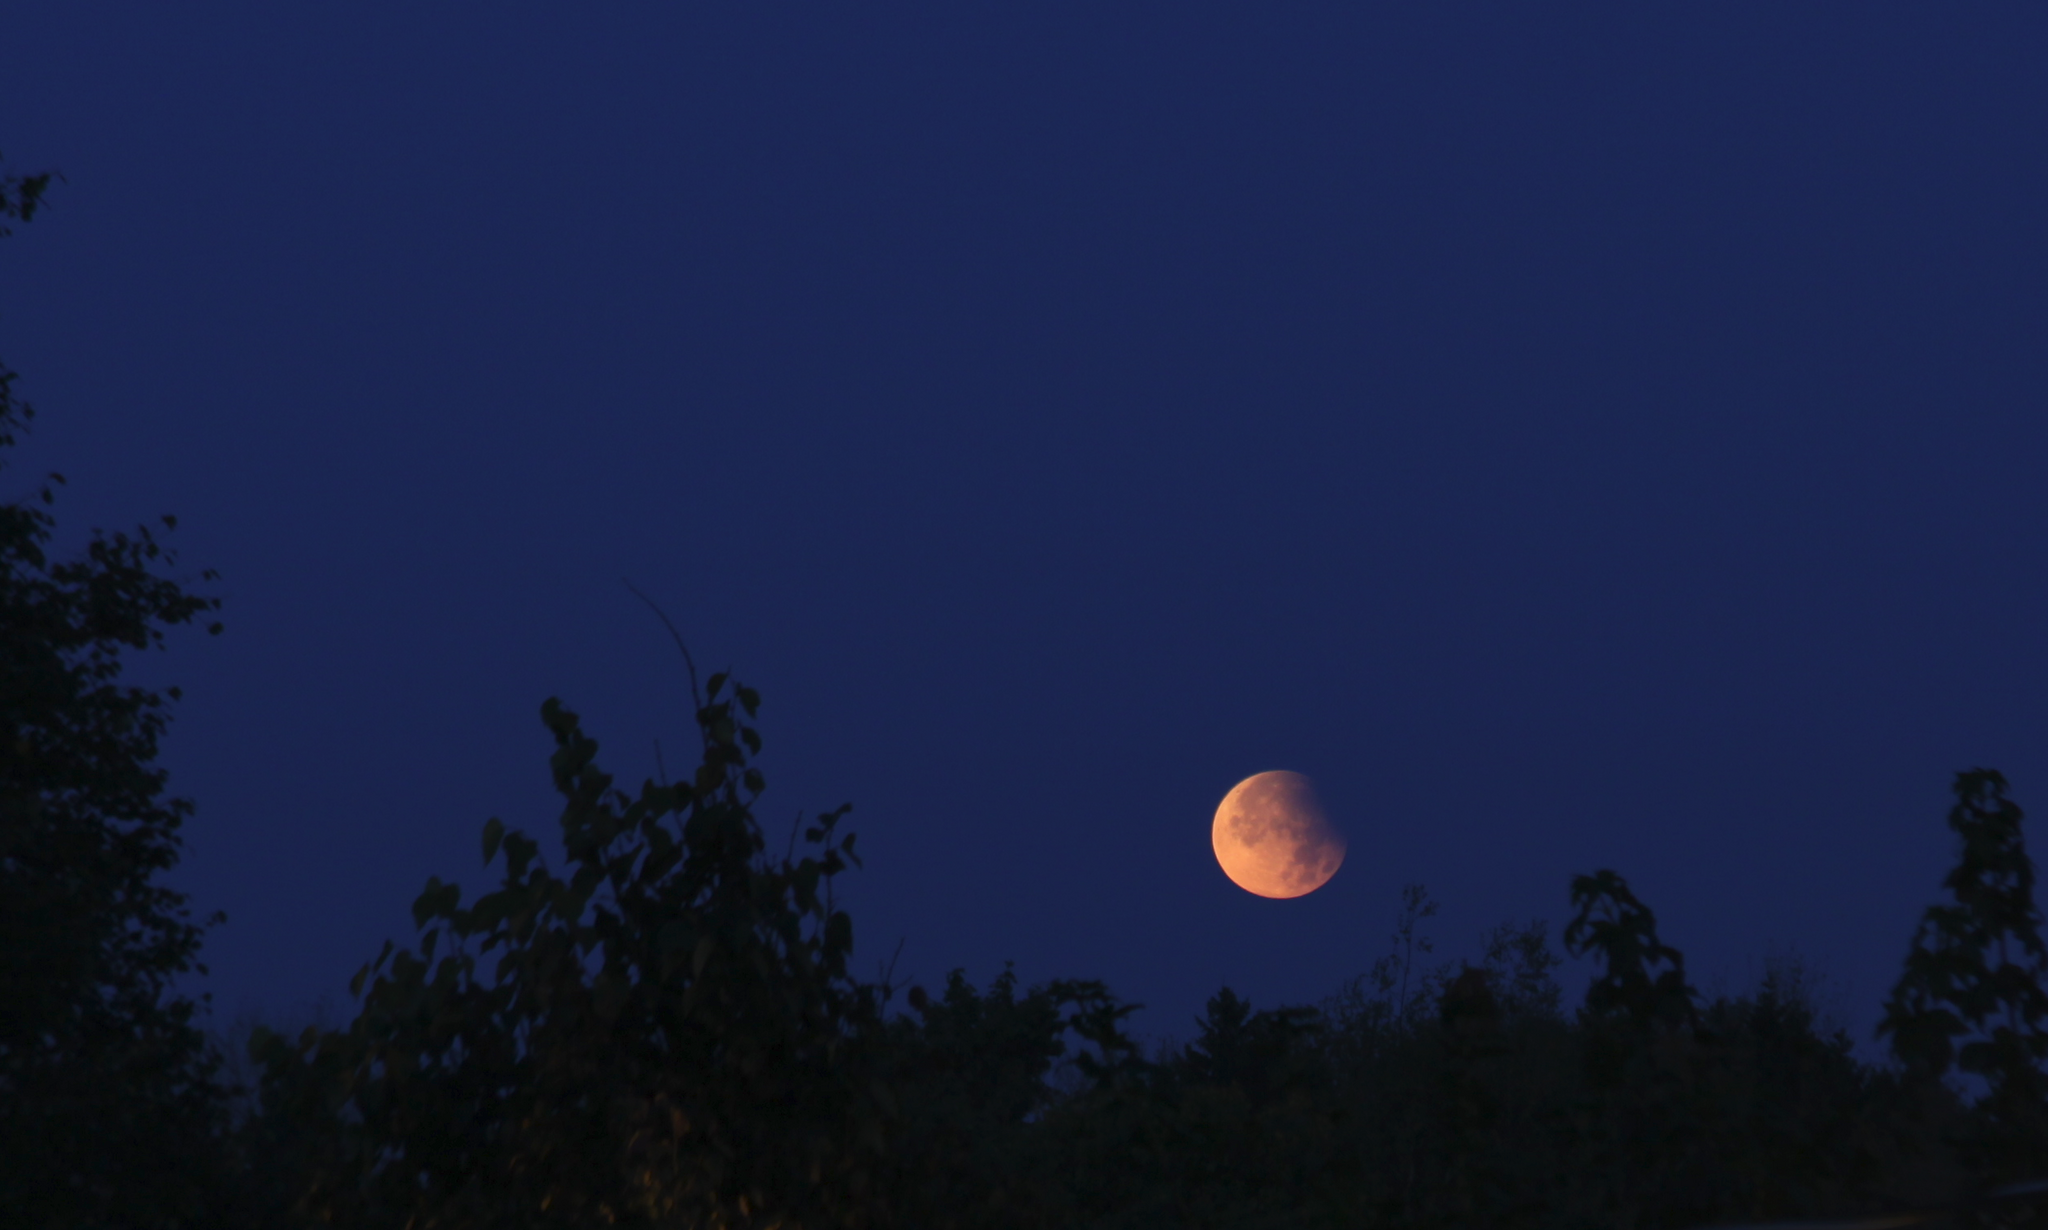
x,y
1975,975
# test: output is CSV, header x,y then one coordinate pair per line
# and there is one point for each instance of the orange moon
x,y
1272,838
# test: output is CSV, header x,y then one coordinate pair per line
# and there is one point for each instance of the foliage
x,y
668,1034
109,1111
974,1074
1623,931
1477,1101
588,1079
21,196
1977,971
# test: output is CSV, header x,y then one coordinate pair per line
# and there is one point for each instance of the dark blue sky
x,y
1576,436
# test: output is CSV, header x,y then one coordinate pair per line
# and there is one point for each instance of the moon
x,y
1272,838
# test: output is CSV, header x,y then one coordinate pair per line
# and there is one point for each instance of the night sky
x,y
1576,436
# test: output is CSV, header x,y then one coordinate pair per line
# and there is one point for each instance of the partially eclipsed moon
x,y
1272,838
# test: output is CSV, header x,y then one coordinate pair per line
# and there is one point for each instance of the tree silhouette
x,y
109,1111
1978,971
668,1033
1612,923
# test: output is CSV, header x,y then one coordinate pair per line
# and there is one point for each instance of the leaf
x,y
519,852
494,832
438,900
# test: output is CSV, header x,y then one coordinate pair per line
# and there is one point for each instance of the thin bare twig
x,y
696,693
888,974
